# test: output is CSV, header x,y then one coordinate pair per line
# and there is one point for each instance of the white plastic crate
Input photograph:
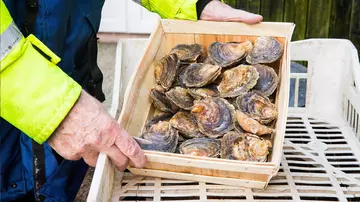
x,y
321,156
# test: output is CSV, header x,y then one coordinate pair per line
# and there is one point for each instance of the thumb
x,y
218,11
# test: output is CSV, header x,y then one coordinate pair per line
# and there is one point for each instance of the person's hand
x,y
88,130
215,10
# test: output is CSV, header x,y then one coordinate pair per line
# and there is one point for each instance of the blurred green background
x,y
313,18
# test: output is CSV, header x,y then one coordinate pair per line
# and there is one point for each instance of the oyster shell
x,y
200,93
251,125
180,97
268,79
200,74
244,147
227,54
215,116
163,116
257,106
162,136
206,147
160,101
165,70
188,52
266,50
186,124
238,80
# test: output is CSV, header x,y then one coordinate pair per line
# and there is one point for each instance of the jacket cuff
x,y
172,9
200,5
36,95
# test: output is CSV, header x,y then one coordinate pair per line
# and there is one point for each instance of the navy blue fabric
x,y
64,26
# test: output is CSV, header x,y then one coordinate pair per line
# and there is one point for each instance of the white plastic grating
x,y
320,163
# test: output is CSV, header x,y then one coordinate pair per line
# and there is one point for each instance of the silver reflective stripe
x,y
9,39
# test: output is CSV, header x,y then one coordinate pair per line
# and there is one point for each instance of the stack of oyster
x,y
215,103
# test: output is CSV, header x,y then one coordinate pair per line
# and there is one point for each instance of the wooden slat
x,y
340,19
318,19
296,11
355,24
252,6
272,10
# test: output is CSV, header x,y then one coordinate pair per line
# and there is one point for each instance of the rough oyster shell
x,y
206,147
200,74
215,116
251,125
266,50
163,116
238,80
188,52
160,101
200,93
268,79
186,124
227,54
244,147
162,136
180,97
257,106
165,70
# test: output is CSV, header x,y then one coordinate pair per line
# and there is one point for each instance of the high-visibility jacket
x,y
39,85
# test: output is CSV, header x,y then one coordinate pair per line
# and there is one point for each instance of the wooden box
x,y
137,108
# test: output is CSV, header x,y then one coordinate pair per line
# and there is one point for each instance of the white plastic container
x,y
321,155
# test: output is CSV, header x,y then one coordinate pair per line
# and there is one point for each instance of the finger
x,y
131,149
246,17
119,160
91,157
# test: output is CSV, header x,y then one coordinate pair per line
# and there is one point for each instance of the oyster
x,y
215,116
238,80
180,97
206,147
251,125
200,74
200,93
257,106
165,70
268,79
160,100
164,116
188,52
266,50
180,76
244,147
186,124
162,136
227,54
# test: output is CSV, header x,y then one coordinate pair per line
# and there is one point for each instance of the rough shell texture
x,y
200,74
244,146
214,115
160,100
251,125
188,52
163,116
200,93
266,50
162,136
186,124
179,80
206,147
268,79
257,106
238,80
227,54
180,97
165,70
